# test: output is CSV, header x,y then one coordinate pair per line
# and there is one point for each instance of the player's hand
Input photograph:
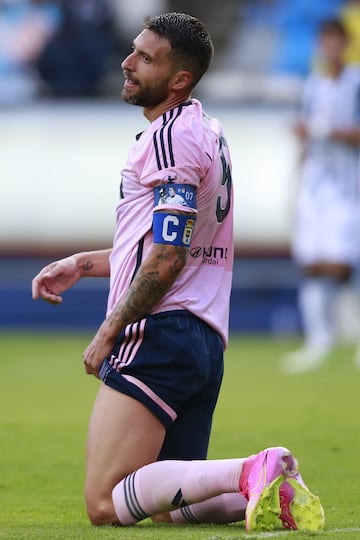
x,y
54,279
100,347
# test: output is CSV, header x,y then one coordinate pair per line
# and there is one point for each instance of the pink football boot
x,y
278,497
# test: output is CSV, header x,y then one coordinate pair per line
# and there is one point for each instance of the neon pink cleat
x,y
300,509
258,472
278,497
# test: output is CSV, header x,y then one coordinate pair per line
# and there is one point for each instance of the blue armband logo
x,y
175,194
173,229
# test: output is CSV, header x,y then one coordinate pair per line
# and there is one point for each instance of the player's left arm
x,y
172,229
155,277
153,280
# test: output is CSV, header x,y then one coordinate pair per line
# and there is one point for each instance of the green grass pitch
x,y
45,403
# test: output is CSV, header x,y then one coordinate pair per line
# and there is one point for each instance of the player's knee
x,y
101,511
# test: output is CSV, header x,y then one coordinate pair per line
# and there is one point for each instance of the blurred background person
x,y
76,59
297,23
26,26
326,241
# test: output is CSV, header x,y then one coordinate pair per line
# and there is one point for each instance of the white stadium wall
x,y
60,172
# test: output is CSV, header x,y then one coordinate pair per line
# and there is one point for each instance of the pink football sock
x,y
165,485
225,508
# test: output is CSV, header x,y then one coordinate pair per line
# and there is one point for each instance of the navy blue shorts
x,y
171,362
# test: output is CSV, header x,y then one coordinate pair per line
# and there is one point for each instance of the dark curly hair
x,y
191,46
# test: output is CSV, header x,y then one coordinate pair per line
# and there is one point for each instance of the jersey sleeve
x,y
176,163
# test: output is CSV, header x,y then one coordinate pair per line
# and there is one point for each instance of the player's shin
x,y
166,485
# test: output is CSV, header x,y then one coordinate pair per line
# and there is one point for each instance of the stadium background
x,y
64,135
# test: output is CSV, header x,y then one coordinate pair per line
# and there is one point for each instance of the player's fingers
x,y
90,370
35,289
42,284
53,299
38,283
86,361
90,365
49,296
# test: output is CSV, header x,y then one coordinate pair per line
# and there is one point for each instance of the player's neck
x,y
152,113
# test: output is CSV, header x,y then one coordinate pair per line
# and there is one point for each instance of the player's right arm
x,y
59,276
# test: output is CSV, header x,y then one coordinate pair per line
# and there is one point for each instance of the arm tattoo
x,y
87,266
154,279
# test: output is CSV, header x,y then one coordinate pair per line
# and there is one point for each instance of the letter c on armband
x,y
167,227
173,229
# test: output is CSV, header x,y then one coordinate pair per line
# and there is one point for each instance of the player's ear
x,y
182,79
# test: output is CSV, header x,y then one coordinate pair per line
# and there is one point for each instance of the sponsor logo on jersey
x,y
209,255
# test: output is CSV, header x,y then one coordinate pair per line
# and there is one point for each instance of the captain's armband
x,y
174,229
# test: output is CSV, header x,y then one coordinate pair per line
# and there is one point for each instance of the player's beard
x,y
147,96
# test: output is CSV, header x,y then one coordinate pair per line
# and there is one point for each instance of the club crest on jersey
x,y
188,230
170,179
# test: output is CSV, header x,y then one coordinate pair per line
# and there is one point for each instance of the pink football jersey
x,y
181,162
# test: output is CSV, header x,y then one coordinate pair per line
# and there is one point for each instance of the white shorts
x,y
330,233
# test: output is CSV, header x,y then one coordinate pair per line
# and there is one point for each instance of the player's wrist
x,y
82,262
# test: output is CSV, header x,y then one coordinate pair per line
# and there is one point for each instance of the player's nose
x,y
128,62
